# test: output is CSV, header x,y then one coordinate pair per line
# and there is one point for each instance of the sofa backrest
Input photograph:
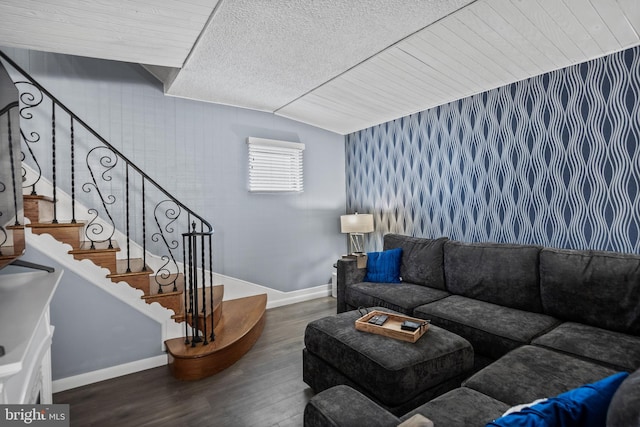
x,y
593,287
504,274
422,259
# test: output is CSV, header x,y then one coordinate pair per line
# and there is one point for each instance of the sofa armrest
x,y
343,406
348,274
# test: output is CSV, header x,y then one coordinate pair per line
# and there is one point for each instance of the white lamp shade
x,y
357,223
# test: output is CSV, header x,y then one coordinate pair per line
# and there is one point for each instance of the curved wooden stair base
x,y
239,328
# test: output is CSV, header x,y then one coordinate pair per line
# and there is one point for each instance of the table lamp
x,y
356,225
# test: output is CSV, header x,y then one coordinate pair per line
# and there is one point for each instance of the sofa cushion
x,y
584,286
624,409
585,406
462,407
499,273
343,406
402,297
614,349
493,330
384,267
422,259
530,372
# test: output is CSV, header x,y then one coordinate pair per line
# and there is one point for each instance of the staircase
x,y
216,332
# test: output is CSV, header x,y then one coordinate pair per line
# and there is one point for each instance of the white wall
x,y
197,151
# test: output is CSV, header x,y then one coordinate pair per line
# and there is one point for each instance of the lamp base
x,y
356,243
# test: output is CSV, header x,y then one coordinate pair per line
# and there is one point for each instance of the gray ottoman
x,y
397,375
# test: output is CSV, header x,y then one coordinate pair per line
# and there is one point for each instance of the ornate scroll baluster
x,y
171,211
30,97
94,230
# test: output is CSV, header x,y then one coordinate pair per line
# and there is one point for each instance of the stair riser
x,y
201,320
172,302
105,260
68,235
38,210
18,239
31,210
138,281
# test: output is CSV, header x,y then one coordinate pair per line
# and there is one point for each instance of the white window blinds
x,y
275,166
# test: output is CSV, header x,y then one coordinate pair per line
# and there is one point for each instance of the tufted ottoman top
x,y
392,371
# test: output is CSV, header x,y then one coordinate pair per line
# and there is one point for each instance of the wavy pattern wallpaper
x,y
552,160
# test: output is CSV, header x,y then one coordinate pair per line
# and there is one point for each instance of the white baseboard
x,y
299,296
237,288
108,373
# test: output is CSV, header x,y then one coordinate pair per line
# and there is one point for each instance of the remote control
x,y
378,319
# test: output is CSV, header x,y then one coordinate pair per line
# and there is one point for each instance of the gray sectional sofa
x,y
541,321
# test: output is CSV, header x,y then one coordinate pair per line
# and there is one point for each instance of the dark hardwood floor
x,y
264,388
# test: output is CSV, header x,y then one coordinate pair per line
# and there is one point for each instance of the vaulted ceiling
x,y
336,64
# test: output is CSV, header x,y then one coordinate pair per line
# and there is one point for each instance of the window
x,y
275,166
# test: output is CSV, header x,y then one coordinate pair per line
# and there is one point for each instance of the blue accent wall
x,y
552,160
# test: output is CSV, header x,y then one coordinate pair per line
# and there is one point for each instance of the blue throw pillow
x,y
584,406
384,267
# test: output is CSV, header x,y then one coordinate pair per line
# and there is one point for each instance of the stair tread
x,y
154,288
162,295
50,224
239,317
85,247
37,197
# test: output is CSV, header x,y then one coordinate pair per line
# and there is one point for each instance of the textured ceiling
x,y
265,54
339,65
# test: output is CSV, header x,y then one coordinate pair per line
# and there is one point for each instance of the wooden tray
x,y
391,327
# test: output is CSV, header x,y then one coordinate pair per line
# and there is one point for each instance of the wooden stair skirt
x,y
239,328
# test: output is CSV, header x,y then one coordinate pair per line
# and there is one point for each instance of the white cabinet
x,y
25,334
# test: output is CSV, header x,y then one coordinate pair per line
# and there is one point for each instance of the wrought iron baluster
x,y
73,175
126,203
13,171
170,211
5,237
204,292
108,160
144,229
185,239
30,97
213,326
53,162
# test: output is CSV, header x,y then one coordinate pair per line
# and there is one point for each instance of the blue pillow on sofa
x,y
584,406
384,267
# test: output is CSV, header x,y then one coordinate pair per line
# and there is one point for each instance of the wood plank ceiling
x,y
342,66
